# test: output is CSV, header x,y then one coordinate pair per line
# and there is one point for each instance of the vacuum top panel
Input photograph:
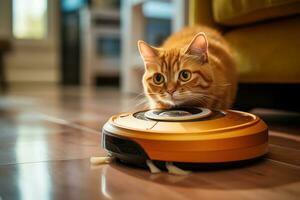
x,y
183,114
195,120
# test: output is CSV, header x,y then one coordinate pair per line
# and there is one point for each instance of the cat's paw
x,y
172,169
153,169
101,160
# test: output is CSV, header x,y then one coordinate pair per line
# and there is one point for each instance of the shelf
x,y
107,30
105,13
107,72
106,69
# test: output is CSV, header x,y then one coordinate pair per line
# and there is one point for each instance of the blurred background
x,y
92,43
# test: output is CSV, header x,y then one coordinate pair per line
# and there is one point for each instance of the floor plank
x,y
47,137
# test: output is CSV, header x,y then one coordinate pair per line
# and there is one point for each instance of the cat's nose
x,y
171,90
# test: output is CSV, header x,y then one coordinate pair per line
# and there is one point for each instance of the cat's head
x,y
176,77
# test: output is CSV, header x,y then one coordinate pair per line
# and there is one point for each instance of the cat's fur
x,y
207,59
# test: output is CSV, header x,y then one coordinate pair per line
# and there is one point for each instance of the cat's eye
x,y
185,75
158,78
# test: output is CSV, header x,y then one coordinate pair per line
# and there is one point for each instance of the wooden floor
x,y
47,136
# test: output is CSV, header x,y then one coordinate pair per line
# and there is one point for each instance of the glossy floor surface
x,y
48,135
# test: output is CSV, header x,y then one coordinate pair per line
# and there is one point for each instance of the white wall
x,y
32,61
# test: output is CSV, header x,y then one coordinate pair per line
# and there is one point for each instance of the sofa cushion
x,y
268,52
233,12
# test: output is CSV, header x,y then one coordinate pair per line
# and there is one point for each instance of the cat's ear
x,y
146,50
198,45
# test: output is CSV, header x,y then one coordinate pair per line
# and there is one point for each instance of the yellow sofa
x,y
265,35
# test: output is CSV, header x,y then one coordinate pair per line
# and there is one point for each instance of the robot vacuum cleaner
x,y
185,135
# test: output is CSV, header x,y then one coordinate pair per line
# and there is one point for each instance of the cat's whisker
x,y
211,98
202,102
140,95
136,104
202,93
198,94
140,106
198,100
203,99
222,85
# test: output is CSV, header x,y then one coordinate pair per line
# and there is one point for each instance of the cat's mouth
x,y
174,103
168,105
168,101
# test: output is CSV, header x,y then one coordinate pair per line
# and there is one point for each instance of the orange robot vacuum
x,y
185,135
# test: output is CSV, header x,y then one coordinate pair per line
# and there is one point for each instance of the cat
x,y
193,67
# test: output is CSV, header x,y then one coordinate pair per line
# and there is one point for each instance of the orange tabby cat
x,y
194,67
